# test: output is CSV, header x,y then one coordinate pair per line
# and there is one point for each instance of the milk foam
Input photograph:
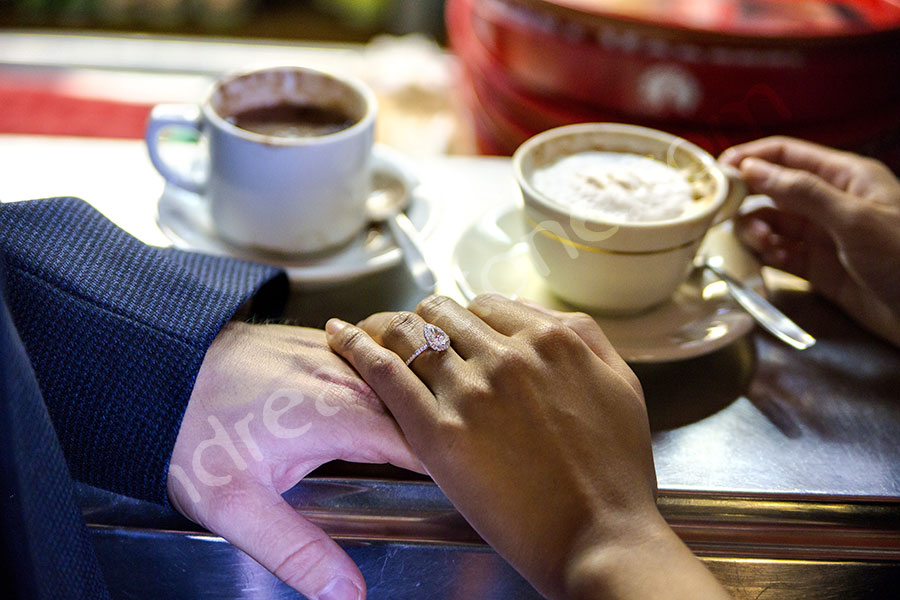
x,y
616,186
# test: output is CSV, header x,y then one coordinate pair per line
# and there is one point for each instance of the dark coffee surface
x,y
292,120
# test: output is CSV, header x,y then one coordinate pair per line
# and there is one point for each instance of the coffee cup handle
x,y
172,116
737,191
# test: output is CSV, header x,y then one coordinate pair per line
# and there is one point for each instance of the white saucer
x,y
492,256
185,219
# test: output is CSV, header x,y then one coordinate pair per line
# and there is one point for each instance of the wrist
x,y
592,567
648,560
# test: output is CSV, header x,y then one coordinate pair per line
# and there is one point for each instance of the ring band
x,y
435,339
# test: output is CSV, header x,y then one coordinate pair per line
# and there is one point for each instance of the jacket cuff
x,y
116,332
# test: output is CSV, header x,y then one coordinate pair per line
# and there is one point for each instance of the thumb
x,y
800,192
274,534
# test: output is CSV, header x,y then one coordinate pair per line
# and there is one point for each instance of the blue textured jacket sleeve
x,y
116,331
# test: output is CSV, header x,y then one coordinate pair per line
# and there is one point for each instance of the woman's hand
x,y
837,224
270,404
536,430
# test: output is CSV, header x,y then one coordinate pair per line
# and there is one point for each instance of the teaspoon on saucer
x,y
772,319
386,205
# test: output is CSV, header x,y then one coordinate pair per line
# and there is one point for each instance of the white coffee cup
x,y
618,267
295,194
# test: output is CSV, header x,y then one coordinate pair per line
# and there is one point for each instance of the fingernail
x,y
728,156
334,326
340,588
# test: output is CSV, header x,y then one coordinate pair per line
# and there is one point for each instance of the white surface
x,y
162,54
415,113
116,177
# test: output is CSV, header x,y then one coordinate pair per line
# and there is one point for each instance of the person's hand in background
x,y
270,404
837,224
537,432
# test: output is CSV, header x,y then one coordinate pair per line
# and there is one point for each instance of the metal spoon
x,y
386,205
772,319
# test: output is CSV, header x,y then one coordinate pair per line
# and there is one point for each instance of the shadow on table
x,y
848,376
848,382
684,392
352,301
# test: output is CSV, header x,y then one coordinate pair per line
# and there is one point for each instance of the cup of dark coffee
x,y
286,154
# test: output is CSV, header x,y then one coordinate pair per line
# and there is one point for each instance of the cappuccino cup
x,y
615,213
285,157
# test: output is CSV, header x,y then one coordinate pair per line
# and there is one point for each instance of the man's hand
x,y
837,224
270,404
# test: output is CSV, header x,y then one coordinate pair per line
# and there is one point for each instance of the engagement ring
x,y
435,339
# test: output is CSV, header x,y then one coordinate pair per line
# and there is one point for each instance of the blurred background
x,y
316,20
95,68
484,75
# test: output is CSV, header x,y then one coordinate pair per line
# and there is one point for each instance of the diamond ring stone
x,y
435,339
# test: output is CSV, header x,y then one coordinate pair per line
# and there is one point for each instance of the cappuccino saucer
x,y
185,219
492,256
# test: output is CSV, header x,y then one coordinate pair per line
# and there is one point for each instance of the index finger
x,y
411,403
834,166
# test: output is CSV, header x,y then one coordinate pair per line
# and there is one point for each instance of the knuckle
x,y
301,562
511,360
432,305
384,367
487,300
581,321
800,183
871,167
485,305
488,297
402,325
779,139
350,338
552,337
448,422
771,143
449,428
479,393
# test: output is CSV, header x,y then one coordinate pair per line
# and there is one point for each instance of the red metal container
x,y
685,74
535,64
